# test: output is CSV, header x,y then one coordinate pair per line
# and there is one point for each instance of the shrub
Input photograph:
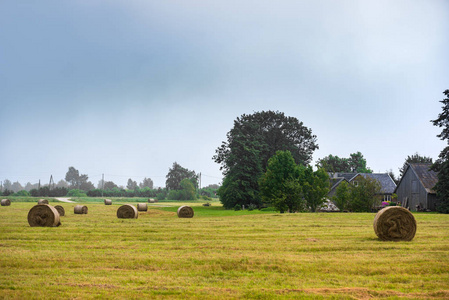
x,y
76,193
252,207
237,207
22,193
160,196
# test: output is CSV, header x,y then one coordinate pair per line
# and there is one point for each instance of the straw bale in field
x,y
80,209
395,223
151,201
42,201
185,212
127,211
60,210
43,215
6,202
142,207
107,202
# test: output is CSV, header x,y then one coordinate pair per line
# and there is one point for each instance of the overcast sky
x,y
126,88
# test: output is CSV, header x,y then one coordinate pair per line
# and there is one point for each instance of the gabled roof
x,y
427,177
387,184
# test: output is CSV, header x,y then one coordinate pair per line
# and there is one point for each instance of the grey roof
x,y
387,184
427,177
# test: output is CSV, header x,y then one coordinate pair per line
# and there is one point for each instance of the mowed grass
x,y
218,254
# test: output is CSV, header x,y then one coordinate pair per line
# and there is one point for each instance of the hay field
x,y
218,254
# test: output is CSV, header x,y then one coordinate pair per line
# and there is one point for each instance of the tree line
x,y
181,184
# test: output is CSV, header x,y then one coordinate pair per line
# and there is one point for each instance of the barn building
x,y
415,190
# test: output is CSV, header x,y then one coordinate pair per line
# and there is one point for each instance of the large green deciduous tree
x,y
176,174
364,194
250,144
355,163
442,164
315,186
280,184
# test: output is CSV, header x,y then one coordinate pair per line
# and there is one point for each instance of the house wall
x,y
411,188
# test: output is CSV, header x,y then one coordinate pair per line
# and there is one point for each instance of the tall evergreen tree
x,y
442,164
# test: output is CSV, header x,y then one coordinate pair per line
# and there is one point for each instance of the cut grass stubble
x,y
218,254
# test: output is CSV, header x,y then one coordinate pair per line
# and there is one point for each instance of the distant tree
x,y
86,186
146,182
315,186
342,196
414,158
188,189
393,177
364,194
16,186
212,186
62,184
131,185
280,184
109,185
252,141
334,164
442,164
176,174
72,177
356,163
78,181
7,185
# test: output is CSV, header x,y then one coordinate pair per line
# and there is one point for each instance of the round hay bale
x,y
43,215
107,202
185,212
151,201
42,201
60,210
80,209
6,202
142,206
127,211
395,223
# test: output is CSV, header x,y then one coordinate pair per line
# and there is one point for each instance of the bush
x,y
160,196
252,207
76,193
22,193
237,207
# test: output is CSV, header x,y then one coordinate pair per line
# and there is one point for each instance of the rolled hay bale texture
x,y
42,201
395,223
151,201
43,215
107,202
127,211
142,206
6,202
185,212
60,210
80,209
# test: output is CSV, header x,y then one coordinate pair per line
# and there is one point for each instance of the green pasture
x,y
218,254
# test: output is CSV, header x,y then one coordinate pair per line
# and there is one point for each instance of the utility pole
x,y
39,186
51,182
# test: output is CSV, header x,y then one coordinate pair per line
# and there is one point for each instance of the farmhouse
x,y
387,184
415,190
